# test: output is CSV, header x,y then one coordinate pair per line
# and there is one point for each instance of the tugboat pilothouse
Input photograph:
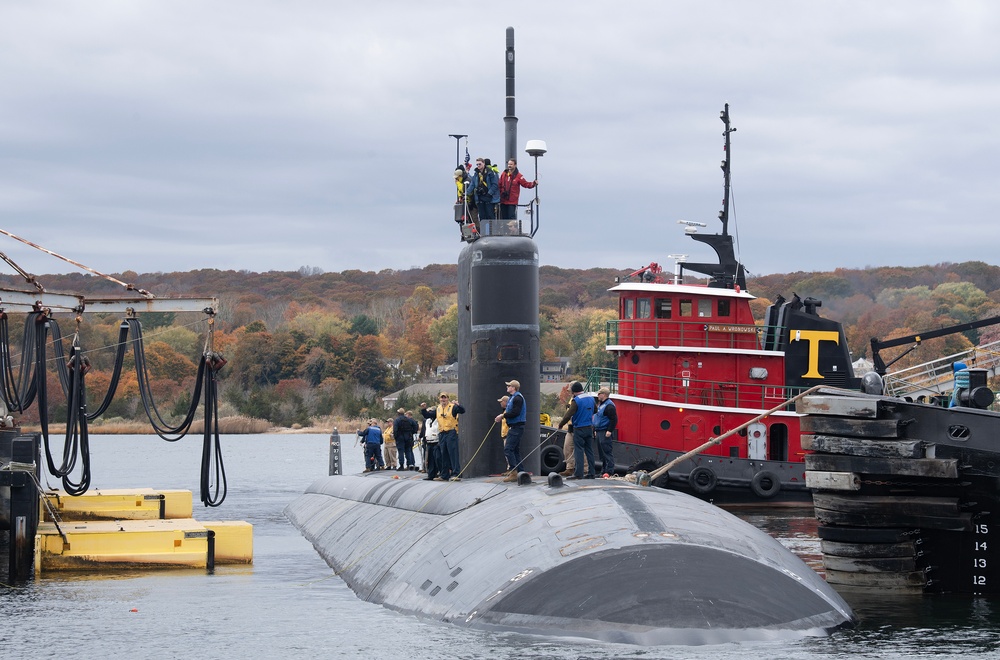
x,y
693,364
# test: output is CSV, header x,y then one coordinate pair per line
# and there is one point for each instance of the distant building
x,y
555,371
862,366
550,372
447,372
425,391
429,392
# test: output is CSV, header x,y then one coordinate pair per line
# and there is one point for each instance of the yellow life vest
x,y
503,427
545,419
387,435
446,421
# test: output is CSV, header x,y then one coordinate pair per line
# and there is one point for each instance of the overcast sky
x,y
265,135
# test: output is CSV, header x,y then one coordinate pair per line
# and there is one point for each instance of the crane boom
x,y
878,345
68,302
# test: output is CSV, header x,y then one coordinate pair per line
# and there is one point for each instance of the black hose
x,y
162,428
211,449
109,396
76,443
20,392
9,386
77,435
211,455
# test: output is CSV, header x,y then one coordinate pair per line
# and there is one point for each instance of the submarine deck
x,y
592,558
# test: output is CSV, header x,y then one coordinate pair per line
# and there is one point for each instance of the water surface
x,y
289,605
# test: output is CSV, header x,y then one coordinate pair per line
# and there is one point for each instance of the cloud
x,y
154,136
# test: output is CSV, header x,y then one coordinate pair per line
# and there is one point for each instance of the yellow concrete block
x,y
177,503
111,504
233,541
121,544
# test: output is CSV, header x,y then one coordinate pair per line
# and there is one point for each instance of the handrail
x,y
695,333
663,469
688,391
936,374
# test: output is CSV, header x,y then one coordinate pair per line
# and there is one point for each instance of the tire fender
x,y
702,480
765,484
551,458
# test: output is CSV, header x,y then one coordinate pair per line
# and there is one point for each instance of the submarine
x,y
600,559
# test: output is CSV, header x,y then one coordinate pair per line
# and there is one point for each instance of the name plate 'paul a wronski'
x,y
743,329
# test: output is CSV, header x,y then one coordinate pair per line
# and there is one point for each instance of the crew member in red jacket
x,y
511,182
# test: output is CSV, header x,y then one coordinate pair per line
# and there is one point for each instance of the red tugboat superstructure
x,y
693,364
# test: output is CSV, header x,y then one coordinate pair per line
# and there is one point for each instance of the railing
x,y
937,376
689,391
703,333
479,228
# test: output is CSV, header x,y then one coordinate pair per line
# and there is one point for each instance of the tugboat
x,y
693,364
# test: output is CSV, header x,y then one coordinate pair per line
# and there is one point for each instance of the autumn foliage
x,y
304,345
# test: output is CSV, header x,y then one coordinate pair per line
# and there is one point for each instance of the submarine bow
x,y
607,561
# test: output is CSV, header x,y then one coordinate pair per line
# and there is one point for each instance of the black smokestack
x,y
509,120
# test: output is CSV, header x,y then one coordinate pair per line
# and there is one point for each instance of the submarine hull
x,y
595,559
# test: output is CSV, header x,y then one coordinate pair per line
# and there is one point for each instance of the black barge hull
x,y
906,494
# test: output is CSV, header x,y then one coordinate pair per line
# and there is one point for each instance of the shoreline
x,y
227,426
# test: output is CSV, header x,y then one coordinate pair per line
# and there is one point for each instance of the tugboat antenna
x,y
727,273
724,213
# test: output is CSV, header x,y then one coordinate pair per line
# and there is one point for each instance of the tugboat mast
x,y
727,273
724,213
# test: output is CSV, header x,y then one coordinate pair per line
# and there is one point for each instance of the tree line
x,y
302,346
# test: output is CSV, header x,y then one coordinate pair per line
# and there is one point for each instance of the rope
x,y
28,277
29,469
129,287
478,449
440,491
537,448
662,470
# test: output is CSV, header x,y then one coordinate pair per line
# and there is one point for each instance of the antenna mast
x,y
509,120
724,213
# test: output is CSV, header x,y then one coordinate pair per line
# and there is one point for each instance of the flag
x,y
467,157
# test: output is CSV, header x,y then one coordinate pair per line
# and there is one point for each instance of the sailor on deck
x,y
372,437
515,415
605,421
581,414
446,414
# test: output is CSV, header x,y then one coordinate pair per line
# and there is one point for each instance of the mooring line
x,y
440,491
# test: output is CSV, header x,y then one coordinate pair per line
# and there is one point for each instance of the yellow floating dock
x,y
119,504
142,528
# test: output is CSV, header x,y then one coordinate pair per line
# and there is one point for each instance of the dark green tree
x,y
363,324
369,367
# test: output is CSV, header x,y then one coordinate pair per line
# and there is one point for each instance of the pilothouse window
x,y
629,309
643,310
723,308
704,307
663,308
686,308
